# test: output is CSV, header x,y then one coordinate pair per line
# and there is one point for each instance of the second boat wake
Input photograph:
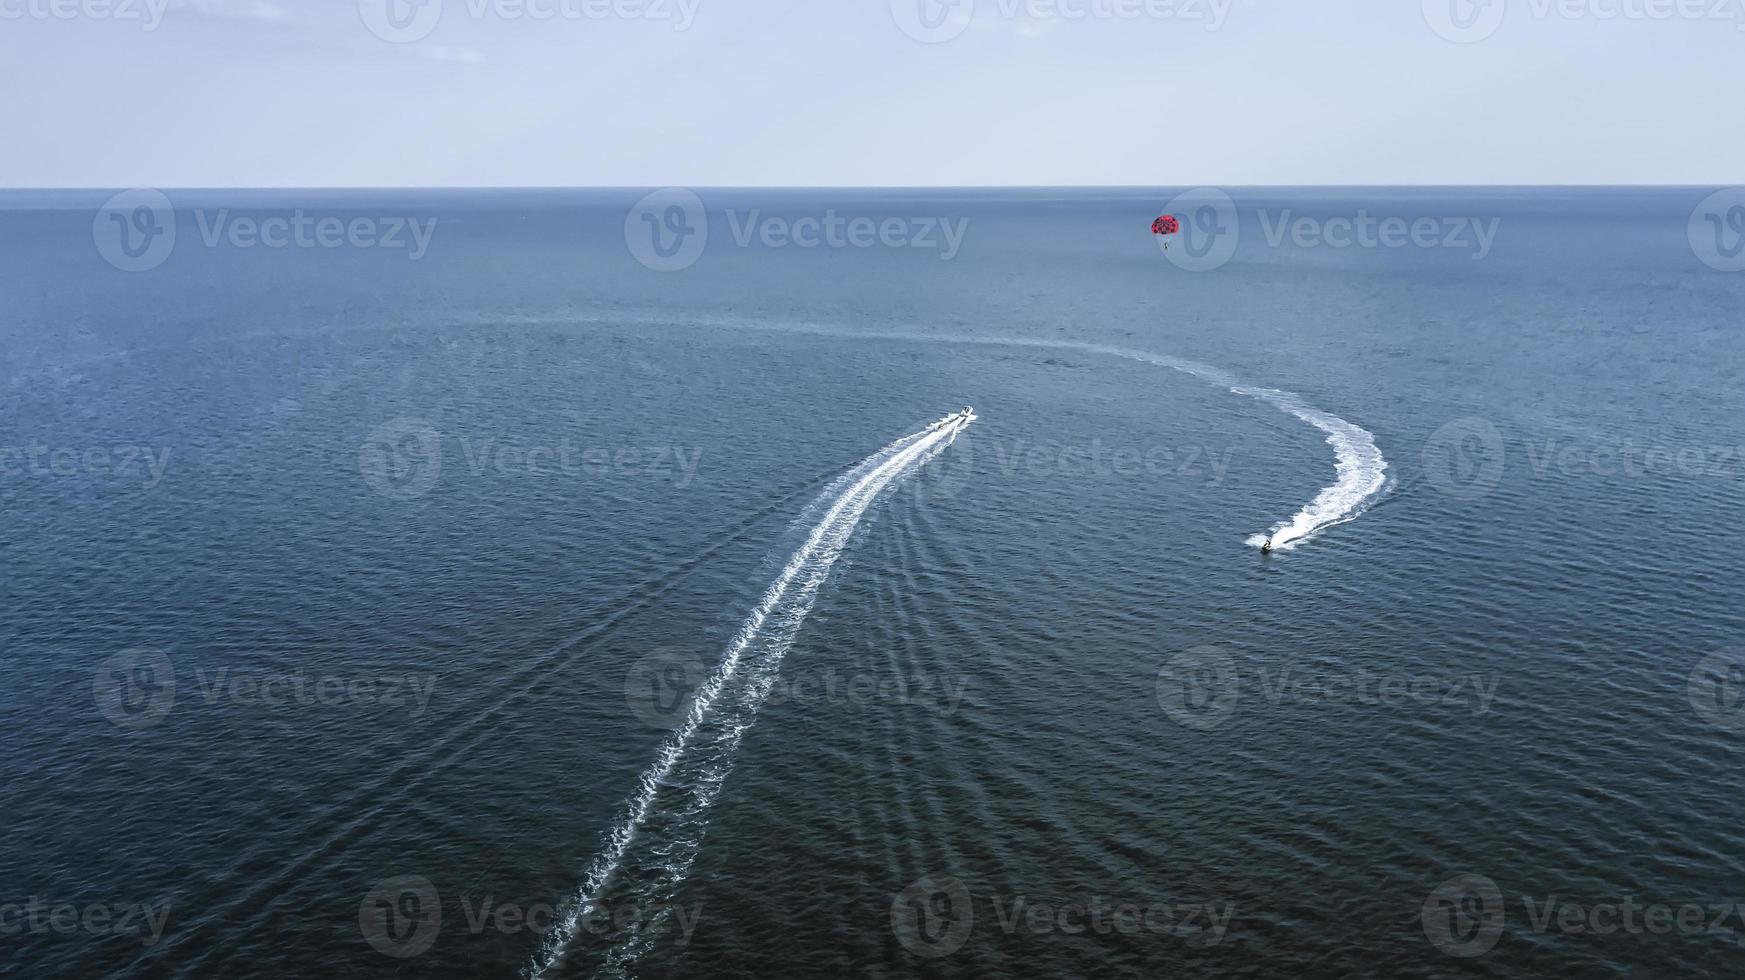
x,y
648,853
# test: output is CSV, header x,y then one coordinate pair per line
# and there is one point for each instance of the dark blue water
x,y
347,592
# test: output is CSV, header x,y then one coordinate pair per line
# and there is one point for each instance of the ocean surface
x,y
574,583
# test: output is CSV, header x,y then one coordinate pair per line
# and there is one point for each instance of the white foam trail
x,y
1360,470
1359,467
723,708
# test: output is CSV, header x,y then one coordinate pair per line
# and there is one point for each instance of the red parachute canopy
x,y
1166,225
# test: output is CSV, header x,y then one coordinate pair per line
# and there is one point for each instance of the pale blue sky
x,y
834,92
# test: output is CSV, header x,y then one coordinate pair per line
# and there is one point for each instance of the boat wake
x,y
649,851
1360,469
1361,472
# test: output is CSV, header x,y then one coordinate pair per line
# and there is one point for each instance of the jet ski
x,y
1266,549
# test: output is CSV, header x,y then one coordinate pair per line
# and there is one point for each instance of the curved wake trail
x,y
649,852
1361,472
1359,467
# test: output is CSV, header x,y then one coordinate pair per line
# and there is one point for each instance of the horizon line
x,y
846,187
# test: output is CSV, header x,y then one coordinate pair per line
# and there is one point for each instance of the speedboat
x,y
964,417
